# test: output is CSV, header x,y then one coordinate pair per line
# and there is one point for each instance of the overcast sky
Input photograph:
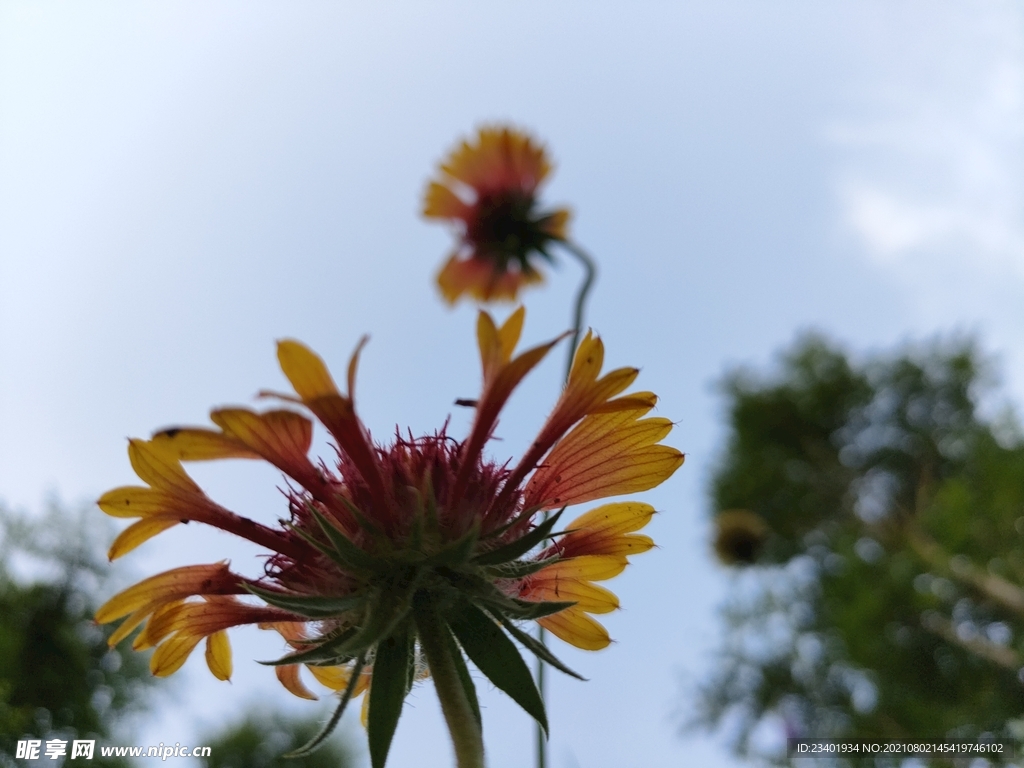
x,y
182,183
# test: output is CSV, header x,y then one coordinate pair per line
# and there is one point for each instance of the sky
x,y
183,183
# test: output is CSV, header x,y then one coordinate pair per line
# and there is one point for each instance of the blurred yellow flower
x,y
489,189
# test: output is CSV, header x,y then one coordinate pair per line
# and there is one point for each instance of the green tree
x,y
880,516
261,740
58,678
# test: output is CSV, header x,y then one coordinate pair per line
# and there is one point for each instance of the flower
x,y
489,188
740,536
399,548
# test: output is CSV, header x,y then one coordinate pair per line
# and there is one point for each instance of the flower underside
x,y
401,560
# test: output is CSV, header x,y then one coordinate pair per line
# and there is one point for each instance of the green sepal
x,y
313,744
516,549
542,247
526,514
463,671
482,591
476,587
489,648
529,609
517,569
326,549
388,689
383,614
347,552
374,532
538,649
310,606
324,652
459,551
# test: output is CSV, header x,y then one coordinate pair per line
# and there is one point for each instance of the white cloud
x,y
931,152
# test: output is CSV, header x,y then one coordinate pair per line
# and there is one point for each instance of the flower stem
x,y
579,311
462,724
542,741
589,274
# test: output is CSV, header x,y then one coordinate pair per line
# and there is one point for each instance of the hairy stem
x,y
462,725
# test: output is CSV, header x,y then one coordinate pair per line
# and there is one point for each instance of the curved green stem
x,y
579,309
458,713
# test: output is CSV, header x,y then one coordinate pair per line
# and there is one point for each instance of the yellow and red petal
x,y
497,345
556,224
441,203
586,363
588,597
170,655
336,678
127,626
140,532
135,501
606,530
166,510
205,618
625,473
577,628
584,391
503,380
605,455
313,383
218,655
583,568
166,587
288,675
305,370
364,710
198,444
281,437
501,159
353,367
585,394
636,401
483,279
158,627
612,519
618,546
160,468
292,631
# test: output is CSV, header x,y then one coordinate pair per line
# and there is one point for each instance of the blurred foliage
x,y
880,516
261,739
58,678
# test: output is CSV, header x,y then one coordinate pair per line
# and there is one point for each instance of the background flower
x,y
488,188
